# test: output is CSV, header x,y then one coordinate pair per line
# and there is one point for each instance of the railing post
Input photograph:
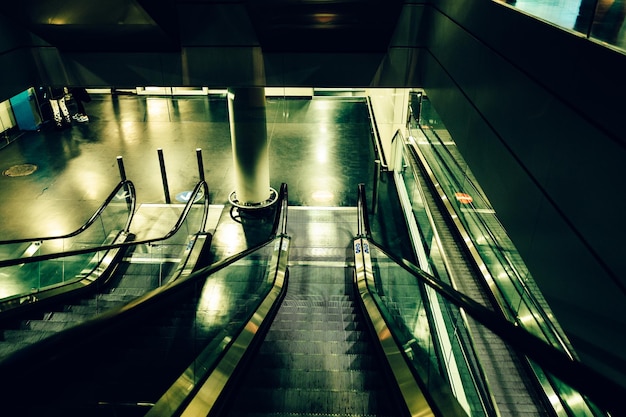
x,y
166,188
375,186
200,164
120,165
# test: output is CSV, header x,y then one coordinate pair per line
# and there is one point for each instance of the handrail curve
x,y
200,186
131,198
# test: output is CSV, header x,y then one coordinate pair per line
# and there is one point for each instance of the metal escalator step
x,y
296,402
315,315
25,337
146,280
271,378
315,347
280,414
48,325
290,334
128,291
87,310
68,316
116,297
102,303
305,300
317,325
310,362
8,348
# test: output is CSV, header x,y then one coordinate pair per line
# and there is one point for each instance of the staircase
x,y
317,358
137,274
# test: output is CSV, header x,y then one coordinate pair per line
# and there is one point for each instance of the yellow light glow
x,y
210,303
322,196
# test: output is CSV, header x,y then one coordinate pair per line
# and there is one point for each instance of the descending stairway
x,y
144,268
317,358
139,273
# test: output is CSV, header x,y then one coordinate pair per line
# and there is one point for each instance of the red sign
x,y
463,198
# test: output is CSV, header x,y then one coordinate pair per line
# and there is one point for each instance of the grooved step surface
x,y
317,358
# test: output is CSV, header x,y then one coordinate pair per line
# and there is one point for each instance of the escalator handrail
x,y
132,198
218,377
201,186
363,227
25,360
603,391
280,220
378,145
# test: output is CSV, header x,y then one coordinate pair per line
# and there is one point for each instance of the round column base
x,y
232,198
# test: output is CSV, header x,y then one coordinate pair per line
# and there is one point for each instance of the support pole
x,y
248,132
200,164
166,188
120,165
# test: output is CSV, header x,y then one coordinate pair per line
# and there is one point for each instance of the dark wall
x,y
218,48
535,111
19,69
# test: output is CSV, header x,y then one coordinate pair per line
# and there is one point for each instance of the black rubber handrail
x,y
132,198
378,145
201,186
363,226
603,391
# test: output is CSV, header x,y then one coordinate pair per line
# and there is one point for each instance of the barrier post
x,y
120,165
200,164
166,188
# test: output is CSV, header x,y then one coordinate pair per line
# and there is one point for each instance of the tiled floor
x,y
320,147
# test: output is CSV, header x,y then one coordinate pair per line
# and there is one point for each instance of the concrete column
x,y
248,132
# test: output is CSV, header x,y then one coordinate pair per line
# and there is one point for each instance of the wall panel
x,y
553,175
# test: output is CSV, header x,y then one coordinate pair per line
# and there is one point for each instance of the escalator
x,y
301,366
127,270
393,285
120,362
23,278
318,357
230,339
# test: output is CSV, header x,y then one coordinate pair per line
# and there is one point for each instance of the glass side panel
x,y
227,300
414,311
31,277
409,308
513,285
505,267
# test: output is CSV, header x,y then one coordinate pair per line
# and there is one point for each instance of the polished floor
x,y
320,147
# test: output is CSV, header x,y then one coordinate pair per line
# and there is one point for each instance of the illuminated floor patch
x,y
20,170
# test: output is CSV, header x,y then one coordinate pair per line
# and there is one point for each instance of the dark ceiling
x,y
160,25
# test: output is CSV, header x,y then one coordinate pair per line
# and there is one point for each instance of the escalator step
x,y
308,362
48,325
319,335
103,303
129,291
272,378
116,297
316,402
87,310
315,347
69,317
25,336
